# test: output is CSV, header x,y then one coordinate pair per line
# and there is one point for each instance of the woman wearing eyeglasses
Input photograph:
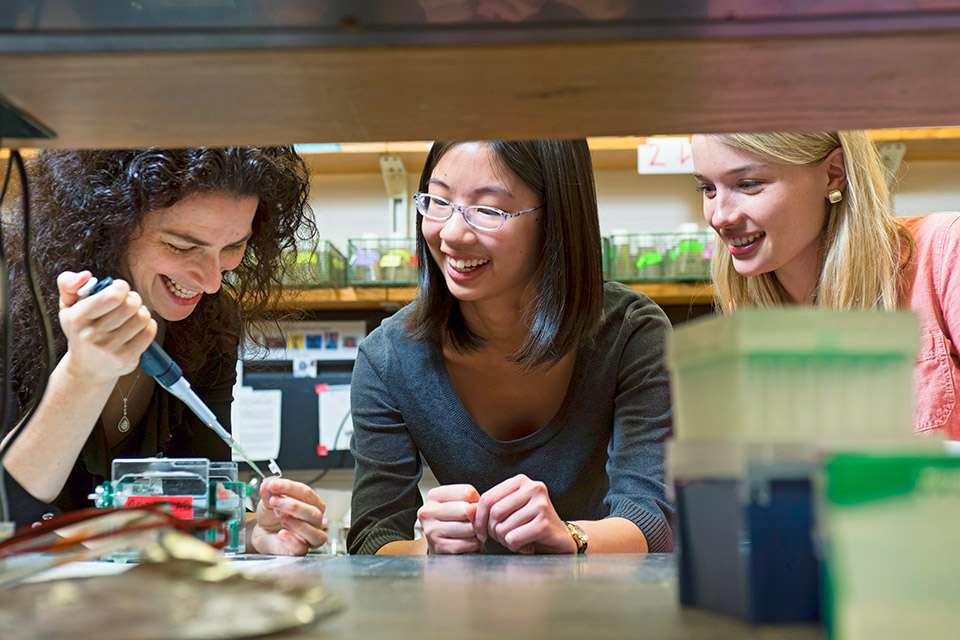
x,y
536,393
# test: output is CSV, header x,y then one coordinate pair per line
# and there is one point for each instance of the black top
x,y
601,455
168,428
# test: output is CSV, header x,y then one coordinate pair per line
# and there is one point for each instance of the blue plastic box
x,y
746,541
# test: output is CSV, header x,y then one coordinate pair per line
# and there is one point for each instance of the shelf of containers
x,y
637,257
322,267
382,262
382,273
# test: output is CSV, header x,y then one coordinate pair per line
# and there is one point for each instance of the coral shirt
x,y
931,287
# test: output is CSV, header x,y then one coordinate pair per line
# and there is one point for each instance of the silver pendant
x,y
124,425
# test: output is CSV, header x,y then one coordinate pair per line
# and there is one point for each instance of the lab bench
x,y
556,597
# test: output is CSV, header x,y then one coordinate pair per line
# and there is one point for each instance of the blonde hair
x,y
860,244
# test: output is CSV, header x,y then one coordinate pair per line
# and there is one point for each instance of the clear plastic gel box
x,y
183,482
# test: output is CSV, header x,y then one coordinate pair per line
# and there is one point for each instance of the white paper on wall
x,y
255,418
336,425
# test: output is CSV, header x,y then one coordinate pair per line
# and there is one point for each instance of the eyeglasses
x,y
477,216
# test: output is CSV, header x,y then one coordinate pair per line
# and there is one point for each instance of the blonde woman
x,y
806,218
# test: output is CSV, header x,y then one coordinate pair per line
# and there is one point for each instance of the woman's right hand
x,y
106,332
447,518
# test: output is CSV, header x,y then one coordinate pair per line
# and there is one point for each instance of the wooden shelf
x,y
570,89
391,298
610,153
353,298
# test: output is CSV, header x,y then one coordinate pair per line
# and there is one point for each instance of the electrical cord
x,y
323,474
336,438
4,341
47,329
5,302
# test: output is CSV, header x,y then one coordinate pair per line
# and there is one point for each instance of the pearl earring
x,y
835,196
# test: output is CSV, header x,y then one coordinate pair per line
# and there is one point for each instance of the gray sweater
x,y
601,455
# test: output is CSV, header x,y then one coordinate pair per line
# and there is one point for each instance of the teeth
x,y
739,242
177,290
465,266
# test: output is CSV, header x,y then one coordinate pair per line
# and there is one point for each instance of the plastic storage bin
x,y
795,375
661,256
605,256
892,558
745,530
382,261
324,266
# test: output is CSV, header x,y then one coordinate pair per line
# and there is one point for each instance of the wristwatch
x,y
579,536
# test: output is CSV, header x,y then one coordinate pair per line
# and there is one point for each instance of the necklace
x,y
124,425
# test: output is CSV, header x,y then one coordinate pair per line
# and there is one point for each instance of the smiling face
x,y
483,265
770,215
183,250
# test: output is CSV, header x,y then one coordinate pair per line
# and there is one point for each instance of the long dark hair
x,y
88,205
569,275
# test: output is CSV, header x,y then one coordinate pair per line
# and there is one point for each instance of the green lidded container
x,y
635,257
605,256
890,526
382,261
323,266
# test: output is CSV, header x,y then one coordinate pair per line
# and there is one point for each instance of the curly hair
x,y
86,207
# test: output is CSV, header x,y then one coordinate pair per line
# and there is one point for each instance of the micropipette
x,y
156,363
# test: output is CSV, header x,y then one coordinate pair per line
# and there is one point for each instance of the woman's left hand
x,y
518,514
289,519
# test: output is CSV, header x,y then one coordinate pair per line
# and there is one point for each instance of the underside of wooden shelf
x,y
367,298
572,89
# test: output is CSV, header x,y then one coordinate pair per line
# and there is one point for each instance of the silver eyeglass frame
x,y
420,197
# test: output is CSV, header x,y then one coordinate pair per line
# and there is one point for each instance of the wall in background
x,y
348,205
926,187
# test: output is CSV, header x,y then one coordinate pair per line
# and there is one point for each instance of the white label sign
x,y
255,418
665,155
336,424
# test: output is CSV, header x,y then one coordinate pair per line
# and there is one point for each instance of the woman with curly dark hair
x,y
171,224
